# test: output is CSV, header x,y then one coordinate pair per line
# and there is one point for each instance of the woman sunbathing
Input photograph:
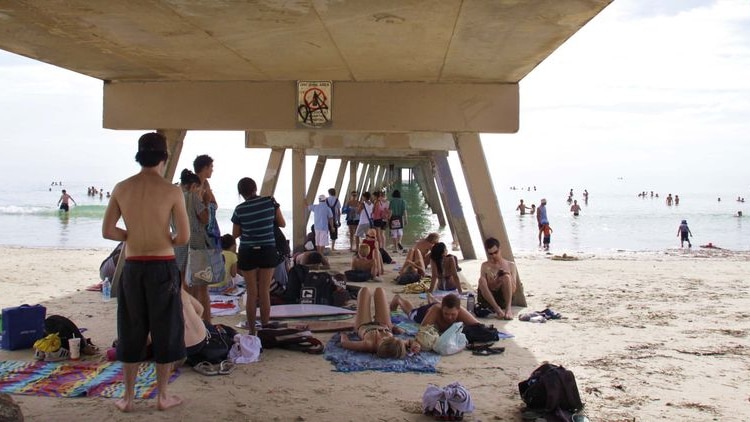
x,y
377,336
444,272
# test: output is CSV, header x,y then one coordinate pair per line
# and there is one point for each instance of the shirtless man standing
x,y
497,281
149,290
63,201
522,208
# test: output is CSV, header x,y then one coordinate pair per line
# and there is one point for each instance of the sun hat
x,y
321,198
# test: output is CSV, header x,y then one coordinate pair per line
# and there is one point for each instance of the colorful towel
x,y
222,305
350,361
75,379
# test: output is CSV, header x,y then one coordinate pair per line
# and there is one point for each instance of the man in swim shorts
x,y
148,294
497,281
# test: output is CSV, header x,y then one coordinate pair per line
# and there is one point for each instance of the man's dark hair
x,y
451,301
151,149
247,187
396,193
201,162
490,243
366,195
332,192
314,258
227,241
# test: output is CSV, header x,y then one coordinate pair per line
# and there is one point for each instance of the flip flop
x,y
488,351
206,368
226,367
95,287
550,314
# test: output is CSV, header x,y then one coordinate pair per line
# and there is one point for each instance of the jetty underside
x,y
381,85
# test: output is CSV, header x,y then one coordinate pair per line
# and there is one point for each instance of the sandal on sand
x,y
488,351
226,367
57,355
206,368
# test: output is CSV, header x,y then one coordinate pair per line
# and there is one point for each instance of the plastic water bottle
x,y
106,290
470,303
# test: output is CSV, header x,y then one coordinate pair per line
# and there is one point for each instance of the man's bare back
x,y
147,203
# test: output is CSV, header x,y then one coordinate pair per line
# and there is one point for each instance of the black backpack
x,y
318,288
290,338
295,277
550,387
480,333
386,256
65,329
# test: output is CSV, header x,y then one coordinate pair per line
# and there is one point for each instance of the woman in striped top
x,y
253,222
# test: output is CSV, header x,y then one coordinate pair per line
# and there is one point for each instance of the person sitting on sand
x,y
377,334
497,281
374,254
424,246
444,269
413,269
362,264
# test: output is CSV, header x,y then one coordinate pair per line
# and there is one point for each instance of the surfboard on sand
x,y
303,310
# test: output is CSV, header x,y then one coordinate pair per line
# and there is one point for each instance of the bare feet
x,y
168,402
508,315
125,405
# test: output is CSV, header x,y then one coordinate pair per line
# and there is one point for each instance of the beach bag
x,y
451,341
65,329
427,336
481,333
22,326
550,387
318,288
396,222
295,277
386,256
109,265
408,278
357,276
219,339
282,244
205,266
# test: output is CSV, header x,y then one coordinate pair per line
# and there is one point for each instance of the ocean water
x,y
611,221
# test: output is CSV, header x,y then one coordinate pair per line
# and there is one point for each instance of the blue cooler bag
x,y
22,326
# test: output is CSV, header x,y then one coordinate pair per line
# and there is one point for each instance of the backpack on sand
x,y
550,387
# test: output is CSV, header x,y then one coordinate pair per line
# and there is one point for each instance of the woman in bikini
x,y
377,335
444,272
413,269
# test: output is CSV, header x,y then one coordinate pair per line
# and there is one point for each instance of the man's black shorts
x,y
149,302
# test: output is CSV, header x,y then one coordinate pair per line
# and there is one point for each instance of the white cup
x,y
75,348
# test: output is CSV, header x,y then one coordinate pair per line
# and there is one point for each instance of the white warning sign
x,y
314,103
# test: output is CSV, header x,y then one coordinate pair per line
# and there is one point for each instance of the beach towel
x,y
350,361
75,379
440,294
222,305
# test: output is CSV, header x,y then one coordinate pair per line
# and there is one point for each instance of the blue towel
x,y
350,361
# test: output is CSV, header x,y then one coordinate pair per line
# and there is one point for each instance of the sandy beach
x,y
648,335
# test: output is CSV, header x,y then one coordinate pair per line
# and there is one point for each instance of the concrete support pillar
x,y
175,138
382,185
368,178
362,178
353,167
452,204
273,170
299,216
484,199
312,190
376,185
340,179
423,175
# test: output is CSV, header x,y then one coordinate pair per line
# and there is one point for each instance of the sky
x,y
651,91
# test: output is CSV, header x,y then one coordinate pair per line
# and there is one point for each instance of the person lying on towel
x,y
377,335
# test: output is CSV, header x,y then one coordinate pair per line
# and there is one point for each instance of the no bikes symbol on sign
x,y
314,103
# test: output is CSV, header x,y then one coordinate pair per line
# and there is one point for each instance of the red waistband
x,y
150,258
